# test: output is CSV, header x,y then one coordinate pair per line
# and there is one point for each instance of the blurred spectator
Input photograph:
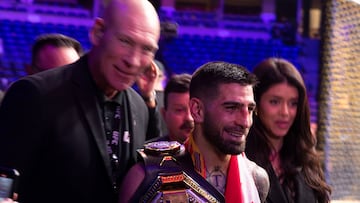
x,y
161,77
53,50
176,111
49,51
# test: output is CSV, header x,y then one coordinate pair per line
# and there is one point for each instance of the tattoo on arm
x,y
262,183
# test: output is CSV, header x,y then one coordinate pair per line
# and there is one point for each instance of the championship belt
x,y
174,182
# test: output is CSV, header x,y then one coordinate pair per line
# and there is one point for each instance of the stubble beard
x,y
213,135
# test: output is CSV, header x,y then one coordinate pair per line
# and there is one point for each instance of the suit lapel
x,y
89,105
137,122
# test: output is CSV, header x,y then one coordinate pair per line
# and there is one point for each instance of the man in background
x,y
176,111
52,50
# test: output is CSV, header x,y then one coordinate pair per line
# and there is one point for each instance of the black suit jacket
x,y
52,132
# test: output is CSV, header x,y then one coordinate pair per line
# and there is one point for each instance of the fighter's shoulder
x,y
261,179
257,171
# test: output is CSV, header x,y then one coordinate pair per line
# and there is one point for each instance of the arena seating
x,y
187,52
182,54
18,36
201,38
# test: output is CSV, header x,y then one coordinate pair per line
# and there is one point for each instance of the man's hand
x,y
146,83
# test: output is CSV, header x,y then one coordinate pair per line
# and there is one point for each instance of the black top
x,y
278,194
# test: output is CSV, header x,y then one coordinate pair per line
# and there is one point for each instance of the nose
x,y
244,118
188,115
284,109
133,58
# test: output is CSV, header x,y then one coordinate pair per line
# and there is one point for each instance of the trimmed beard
x,y
213,135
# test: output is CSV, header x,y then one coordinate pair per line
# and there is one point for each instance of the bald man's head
x,y
124,43
139,9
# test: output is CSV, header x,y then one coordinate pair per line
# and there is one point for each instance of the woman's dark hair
x,y
298,150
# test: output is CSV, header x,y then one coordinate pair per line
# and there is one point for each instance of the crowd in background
x,y
74,126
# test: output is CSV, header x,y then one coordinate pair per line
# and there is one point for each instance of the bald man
x,y
72,132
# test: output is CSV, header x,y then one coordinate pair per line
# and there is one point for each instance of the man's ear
x,y
197,110
97,31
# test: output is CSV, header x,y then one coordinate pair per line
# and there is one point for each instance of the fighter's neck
x,y
212,156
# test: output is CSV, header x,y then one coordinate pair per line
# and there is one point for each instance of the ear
x,y
197,110
97,31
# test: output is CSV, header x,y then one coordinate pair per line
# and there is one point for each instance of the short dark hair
x,y
207,78
178,83
56,40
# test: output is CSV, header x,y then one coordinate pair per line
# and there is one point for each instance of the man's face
x,y
127,45
50,57
228,118
177,116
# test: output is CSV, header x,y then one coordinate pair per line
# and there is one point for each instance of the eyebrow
x,y
280,97
153,47
252,104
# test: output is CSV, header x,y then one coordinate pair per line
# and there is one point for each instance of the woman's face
x,y
277,109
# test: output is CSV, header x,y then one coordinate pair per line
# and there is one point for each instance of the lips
x,y
236,131
282,124
236,135
187,130
123,72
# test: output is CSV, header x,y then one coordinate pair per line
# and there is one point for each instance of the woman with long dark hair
x,y
280,139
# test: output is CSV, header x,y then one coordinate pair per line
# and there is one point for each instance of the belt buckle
x,y
177,187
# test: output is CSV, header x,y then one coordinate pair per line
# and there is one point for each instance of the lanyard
x,y
117,129
114,139
113,117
